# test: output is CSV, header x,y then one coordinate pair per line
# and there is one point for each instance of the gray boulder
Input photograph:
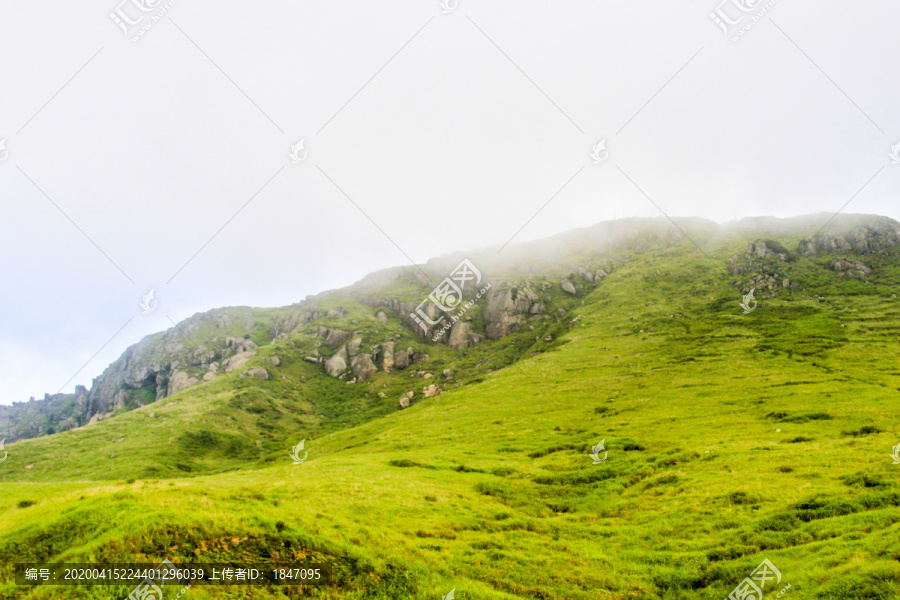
x,y
238,360
362,366
387,357
336,336
851,269
462,336
337,364
179,381
238,345
256,372
401,359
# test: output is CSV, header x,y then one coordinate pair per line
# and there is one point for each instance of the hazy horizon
x,y
166,163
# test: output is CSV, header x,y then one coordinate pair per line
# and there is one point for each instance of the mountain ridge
x,y
194,350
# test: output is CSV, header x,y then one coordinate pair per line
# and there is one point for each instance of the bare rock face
x,y
504,310
462,336
381,316
274,361
567,286
851,269
256,372
239,345
282,326
760,249
222,319
879,235
762,268
353,347
431,391
404,402
179,381
208,376
335,336
362,366
238,360
337,364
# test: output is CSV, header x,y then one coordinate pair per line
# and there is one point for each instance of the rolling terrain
x,y
730,437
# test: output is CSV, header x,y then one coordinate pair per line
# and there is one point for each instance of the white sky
x,y
454,143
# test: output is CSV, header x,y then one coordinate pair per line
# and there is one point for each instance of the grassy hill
x,y
731,438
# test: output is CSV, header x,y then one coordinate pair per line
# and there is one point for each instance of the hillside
x,y
731,437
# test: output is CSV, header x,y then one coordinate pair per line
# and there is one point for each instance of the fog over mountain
x,y
165,163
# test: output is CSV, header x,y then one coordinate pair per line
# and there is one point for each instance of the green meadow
x,y
731,438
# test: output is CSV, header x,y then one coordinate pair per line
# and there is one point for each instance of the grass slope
x,y
488,488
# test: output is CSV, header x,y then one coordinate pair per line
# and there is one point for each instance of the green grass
x,y
488,488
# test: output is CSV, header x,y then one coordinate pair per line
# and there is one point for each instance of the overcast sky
x,y
424,132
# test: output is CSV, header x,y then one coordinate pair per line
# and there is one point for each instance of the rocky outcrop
x,y
851,269
401,359
238,360
505,309
362,366
256,373
878,235
239,345
283,326
332,335
387,357
462,336
763,267
179,381
568,287
337,364
406,312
